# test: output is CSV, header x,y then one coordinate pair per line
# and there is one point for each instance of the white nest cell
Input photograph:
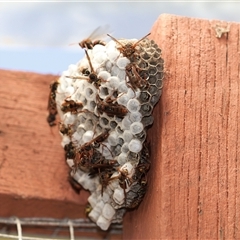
x,y
113,138
72,68
113,82
87,136
135,116
105,149
123,100
68,118
69,91
131,93
126,123
108,211
104,122
133,105
127,136
122,62
70,162
104,75
92,200
91,105
113,55
76,136
136,127
122,75
103,223
125,148
122,158
100,57
135,145
118,196
108,65
90,93
123,88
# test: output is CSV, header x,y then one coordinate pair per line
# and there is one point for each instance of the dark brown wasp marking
x,y
52,106
65,130
87,156
110,107
135,80
70,151
71,106
90,76
128,50
89,44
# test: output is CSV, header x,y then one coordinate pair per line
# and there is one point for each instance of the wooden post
x,y
194,181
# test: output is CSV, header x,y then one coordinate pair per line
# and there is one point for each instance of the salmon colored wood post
x,y
194,181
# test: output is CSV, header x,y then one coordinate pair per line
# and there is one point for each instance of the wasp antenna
x,y
141,39
114,39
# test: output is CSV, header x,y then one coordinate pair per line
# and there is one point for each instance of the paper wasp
x,y
134,78
94,38
71,106
87,156
52,106
90,76
110,107
128,50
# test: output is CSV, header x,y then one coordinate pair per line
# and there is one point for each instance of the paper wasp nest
x,y
105,103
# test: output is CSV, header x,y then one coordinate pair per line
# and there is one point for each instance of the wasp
x,y
52,106
95,142
128,50
123,179
110,107
82,158
139,179
90,76
87,153
71,106
94,38
90,42
93,78
105,176
143,166
134,79
70,151
65,130
100,138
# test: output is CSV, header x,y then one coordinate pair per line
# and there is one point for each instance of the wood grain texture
x,y
194,183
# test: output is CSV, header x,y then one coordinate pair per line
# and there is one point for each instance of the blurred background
x,y
36,36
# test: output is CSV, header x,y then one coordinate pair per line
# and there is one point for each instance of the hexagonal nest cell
x,y
105,103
